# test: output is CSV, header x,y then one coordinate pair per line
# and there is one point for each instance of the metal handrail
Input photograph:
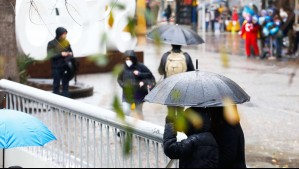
x,y
88,136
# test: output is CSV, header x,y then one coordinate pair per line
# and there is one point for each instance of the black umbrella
x,y
176,35
197,89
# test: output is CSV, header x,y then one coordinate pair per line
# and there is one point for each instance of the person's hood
x,y
132,55
204,117
60,31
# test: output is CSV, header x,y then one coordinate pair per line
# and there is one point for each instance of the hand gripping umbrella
x,y
176,35
18,129
197,89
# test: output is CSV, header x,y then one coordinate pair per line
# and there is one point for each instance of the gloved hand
x,y
169,119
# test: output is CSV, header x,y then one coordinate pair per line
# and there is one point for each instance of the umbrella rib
x,y
186,92
185,36
160,91
238,87
203,91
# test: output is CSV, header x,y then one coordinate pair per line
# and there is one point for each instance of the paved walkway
x,y
270,121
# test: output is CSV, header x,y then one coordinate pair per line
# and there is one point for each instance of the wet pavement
x,y
270,121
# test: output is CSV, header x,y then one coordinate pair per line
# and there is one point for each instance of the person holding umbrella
x,y
175,61
135,80
209,91
229,137
200,149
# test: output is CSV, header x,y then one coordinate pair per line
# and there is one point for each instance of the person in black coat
x,y
175,49
168,13
199,150
58,51
136,80
230,139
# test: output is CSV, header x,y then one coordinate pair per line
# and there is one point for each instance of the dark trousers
x,y
58,77
278,46
213,25
296,42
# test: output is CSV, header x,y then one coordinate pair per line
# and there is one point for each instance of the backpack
x,y
175,64
71,68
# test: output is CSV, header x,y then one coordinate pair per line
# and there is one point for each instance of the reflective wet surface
x,y
270,121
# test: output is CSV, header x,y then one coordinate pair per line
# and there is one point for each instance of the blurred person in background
x,y
288,19
135,80
58,51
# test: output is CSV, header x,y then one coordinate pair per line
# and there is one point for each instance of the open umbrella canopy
x,y
18,129
176,35
197,89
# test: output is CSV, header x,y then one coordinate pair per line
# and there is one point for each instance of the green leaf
x,y
100,59
118,108
128,141
132,25
176,95
117,70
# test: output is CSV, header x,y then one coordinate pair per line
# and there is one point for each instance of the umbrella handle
x,y
3,158
196,64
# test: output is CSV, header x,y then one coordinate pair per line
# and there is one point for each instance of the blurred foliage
x,y
182,119
23,61
117,70
231,113
127,134
128,144
224,58
132,21
118,108
176,95
99,59
195,119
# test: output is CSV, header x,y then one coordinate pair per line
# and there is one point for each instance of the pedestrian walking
x,y
200,149
60,52
168,13
175,61
230,139
235,20
136,80
207,19
288,19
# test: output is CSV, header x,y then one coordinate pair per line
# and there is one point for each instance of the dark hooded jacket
x,y
175,49
55,48
230,140
129,82
199,150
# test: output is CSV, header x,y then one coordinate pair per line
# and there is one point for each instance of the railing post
x,y
2,99
1,158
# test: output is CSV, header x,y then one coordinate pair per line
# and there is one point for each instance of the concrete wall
x,y
17,157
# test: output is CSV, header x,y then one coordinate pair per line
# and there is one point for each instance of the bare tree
x,y
8,44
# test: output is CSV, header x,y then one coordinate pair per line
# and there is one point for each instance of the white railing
x,y
88,136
